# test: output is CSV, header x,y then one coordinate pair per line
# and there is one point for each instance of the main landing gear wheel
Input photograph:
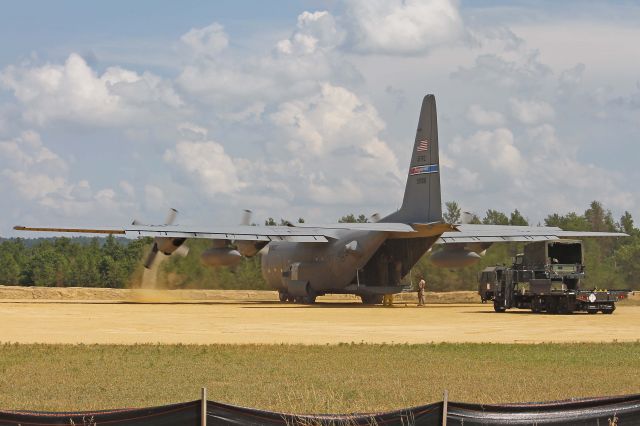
x,y
309,299
371,299
282,296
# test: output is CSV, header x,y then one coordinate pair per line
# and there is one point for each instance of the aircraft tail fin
x,y
422,202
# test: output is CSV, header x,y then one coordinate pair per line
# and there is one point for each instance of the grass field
x,y
297,378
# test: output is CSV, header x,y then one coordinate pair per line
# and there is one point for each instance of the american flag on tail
x,y
423,145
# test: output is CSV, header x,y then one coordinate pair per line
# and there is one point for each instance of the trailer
x,y
547,277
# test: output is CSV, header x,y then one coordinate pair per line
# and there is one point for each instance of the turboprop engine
x,y
458,255
166,245
220,256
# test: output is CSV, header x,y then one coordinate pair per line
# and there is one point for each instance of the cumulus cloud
x,y
315,30
336,131
293,68
74,92
207,164
38,176
483,117
531,111
206,41
27,151
520,70
400,27
497,162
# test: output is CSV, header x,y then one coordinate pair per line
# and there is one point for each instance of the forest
x,y
117,262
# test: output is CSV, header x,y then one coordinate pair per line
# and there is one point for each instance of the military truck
x,y
547,277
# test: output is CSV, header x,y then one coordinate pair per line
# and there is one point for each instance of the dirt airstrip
x,y
38,315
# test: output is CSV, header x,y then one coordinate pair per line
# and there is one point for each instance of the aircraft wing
x,y
298,233
500,233
238,232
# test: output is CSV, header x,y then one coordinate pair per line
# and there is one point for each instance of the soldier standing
x,y
421,285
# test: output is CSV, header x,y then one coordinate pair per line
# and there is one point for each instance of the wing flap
x,y
502,233
104,230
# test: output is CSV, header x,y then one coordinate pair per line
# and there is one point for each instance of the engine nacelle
x,y
169,245
221,256
455,257
250,248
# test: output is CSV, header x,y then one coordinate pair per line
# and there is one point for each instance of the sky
x,y
121,110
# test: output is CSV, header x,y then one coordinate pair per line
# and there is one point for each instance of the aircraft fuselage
x,y
324,267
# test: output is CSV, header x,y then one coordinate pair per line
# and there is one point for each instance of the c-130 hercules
x,y
367,259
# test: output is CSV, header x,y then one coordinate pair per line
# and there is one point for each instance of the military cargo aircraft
x,y
367,259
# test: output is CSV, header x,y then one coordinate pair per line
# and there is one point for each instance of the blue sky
x,y
121,110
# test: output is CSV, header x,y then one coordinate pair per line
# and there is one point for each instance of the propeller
x,y
166,245
248,248
246,217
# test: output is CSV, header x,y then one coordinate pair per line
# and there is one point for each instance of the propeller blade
x,y
152,256
246,218
181,251
171,217
466,218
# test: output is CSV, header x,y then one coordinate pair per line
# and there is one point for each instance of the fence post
x,y
203,407
445,404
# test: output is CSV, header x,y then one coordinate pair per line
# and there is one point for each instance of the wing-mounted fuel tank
x,y
458,255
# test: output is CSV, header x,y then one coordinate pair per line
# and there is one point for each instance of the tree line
x,y
117,262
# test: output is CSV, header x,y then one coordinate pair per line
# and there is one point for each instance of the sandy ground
x,y
255,317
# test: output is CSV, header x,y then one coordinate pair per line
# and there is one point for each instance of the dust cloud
x,y
149,289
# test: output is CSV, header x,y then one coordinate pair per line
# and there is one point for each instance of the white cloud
x,y
335,132
208,165
483,117
37,177
154,198
235,85
494,151
74,92
518,69
206,41
127,188
400,27
531,111
494,162
27,150
33,186
317,30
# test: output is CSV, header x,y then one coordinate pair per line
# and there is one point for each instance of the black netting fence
x,y
608,411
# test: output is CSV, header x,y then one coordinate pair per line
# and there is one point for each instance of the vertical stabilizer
x,y
421,203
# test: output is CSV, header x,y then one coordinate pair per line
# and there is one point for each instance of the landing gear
x,y
372,299
309,299
387,300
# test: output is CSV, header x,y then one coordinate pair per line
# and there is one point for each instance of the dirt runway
x,y
263,320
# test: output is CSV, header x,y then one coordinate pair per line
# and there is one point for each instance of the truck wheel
x,y
498,308
609,310
563,306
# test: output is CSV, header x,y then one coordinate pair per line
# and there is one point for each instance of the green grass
x,y
296,378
